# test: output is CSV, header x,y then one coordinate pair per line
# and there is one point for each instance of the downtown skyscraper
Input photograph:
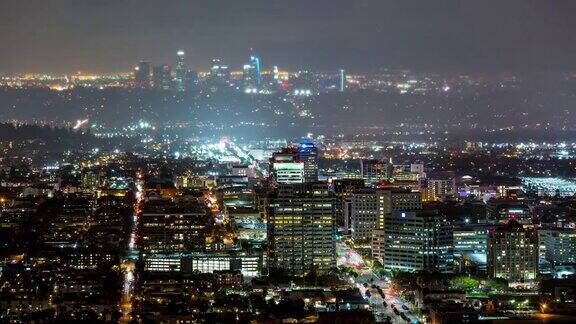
x,y
142,75
162,77
180,71
301,226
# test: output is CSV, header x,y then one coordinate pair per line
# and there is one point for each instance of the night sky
x,y
362,35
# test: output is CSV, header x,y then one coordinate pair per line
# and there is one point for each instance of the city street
x,y
349,257
128,265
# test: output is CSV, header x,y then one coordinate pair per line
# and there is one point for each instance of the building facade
x,y
373,171
416,241
301,228
369,207
560,245
512,253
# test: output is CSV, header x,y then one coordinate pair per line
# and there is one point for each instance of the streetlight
x,y
543,307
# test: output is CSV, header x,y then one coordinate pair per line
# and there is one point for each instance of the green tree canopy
x,y
464,283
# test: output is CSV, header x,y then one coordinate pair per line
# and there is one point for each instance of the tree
x,y
497,284
349,271
464,283
378,268
405,280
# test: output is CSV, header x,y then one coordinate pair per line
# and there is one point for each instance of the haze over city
x,y
63,36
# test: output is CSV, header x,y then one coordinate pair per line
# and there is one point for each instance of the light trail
x,y
128,264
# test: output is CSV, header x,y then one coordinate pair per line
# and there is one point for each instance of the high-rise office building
x,y
251,74
407,172
308,154
416,241
364,213
248,78
180,70
343,190
285,167
301,228
439,186
142,75
190,80
560,245
369,207
276,74
162,76
471,244
373,171
502,210
219,72
166,228
289,172
512,252
389,201
255,62
295,164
